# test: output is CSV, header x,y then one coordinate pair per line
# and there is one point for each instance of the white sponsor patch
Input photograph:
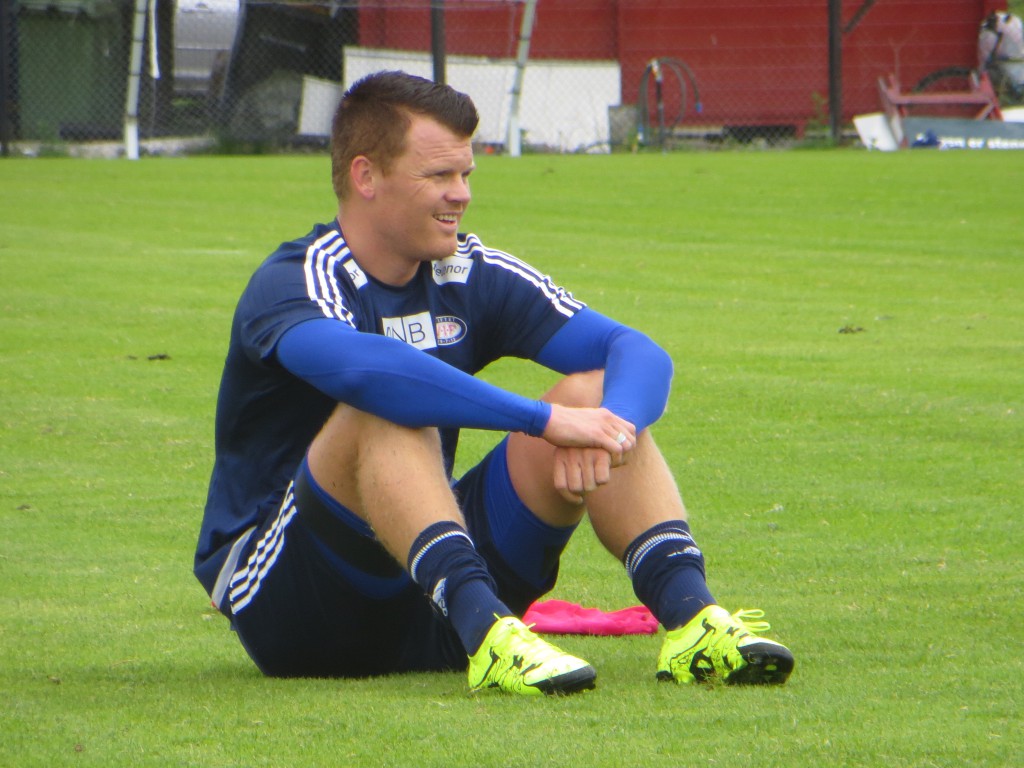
x,y
454,269
417,330
354,272
449,330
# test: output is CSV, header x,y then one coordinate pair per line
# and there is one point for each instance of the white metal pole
x,y
154,56
131,106
514,142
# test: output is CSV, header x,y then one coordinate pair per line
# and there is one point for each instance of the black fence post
x,y
6,77
835,69
437,43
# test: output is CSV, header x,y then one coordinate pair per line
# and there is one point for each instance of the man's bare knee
x,y
352,441
579,390
351,431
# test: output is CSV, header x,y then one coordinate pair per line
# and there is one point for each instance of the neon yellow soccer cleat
x,y
513,659
718,645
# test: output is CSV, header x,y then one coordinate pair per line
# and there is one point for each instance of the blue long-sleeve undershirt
x,y
637,372
393,380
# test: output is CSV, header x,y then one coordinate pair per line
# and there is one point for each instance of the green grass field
x,y
847,424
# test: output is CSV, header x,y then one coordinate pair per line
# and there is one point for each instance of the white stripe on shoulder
x,y
322,258
560,298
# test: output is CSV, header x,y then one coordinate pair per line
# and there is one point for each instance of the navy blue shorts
x,y
315,595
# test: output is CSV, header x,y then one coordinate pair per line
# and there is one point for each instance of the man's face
x,y
423,196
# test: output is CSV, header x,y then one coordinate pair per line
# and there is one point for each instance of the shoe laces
x,y
750,619
540,649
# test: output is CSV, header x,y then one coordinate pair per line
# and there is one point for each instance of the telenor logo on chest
x,y
453,269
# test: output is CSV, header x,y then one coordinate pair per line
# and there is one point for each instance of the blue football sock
x,y
667,570
444,562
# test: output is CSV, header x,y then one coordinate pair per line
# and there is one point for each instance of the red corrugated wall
x,y
756,62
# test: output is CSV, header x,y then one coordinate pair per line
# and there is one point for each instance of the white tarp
x,y
564,104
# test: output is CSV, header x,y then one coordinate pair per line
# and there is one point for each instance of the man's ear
x,y
362,176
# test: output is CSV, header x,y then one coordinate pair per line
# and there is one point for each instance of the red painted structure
x,y
756,62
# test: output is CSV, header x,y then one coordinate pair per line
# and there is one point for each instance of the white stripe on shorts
x,y
247,580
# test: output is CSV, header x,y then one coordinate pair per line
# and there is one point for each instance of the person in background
x,y
1001,54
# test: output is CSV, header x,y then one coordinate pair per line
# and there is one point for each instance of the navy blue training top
x,y
404,353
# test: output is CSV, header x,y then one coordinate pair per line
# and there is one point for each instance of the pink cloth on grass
x,y
558,617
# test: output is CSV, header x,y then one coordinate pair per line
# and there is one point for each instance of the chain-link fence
x,y
599,74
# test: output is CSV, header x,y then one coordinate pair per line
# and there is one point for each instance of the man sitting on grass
x,y
332,507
